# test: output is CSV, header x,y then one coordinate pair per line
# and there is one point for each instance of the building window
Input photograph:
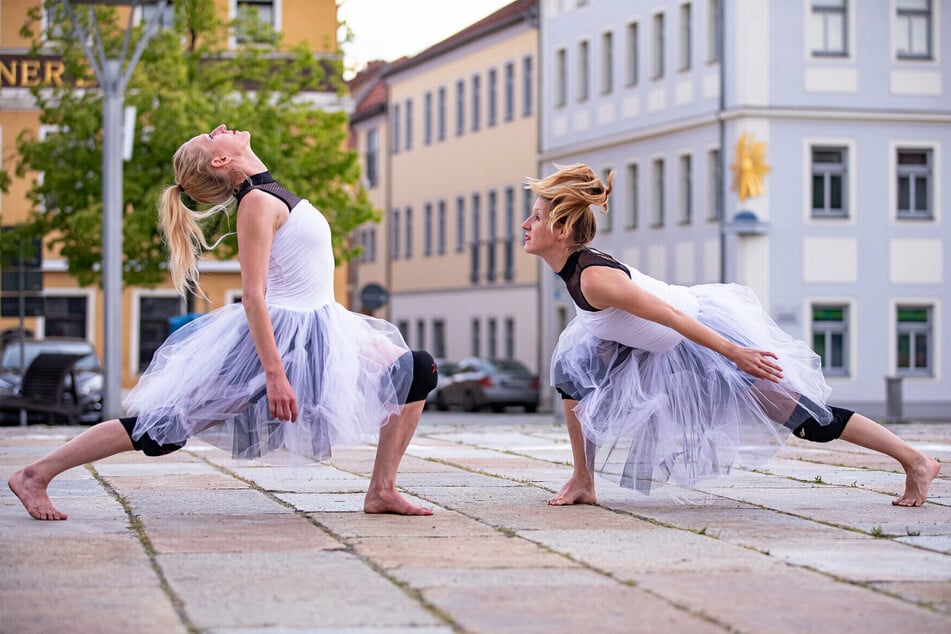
x,y
509,338
830,338
476,237
493,337
607,220
658,220
428,118
420,334
154,313
509,91
607,62
658,46
460,224
492,238
395,254
686,33
65,316
476,102
829,182
439,339
372,156
493,97
913,29
56,24
914,184
584,73
827,28
409,233
714,31
441,114
428,229
561,77
460,107
409,124
261,13
914,338
476,337
441,227
686,189
632,56
509,256
403,326
715,170
633,195
396,129
165,20
528,86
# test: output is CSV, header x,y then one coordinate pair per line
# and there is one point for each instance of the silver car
x,y
495,384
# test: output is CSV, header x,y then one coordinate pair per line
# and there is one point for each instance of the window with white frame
x,y
403,326
914,338
428,118
476,102
409,124
492,335
658,46
914,174
509,263
658,193
66,316
439,338
476,337
828,28
686,189
715,185
492,97
409,233
633,195
56,24
441,227
460,107
165,20
460,224
607,62
154,313
606,221
474,267
428,229
584,73
262,12
420,334
372,157
441,114
830,338
491,242
686,33
913,29
561,77
395,141
633,59
829,182
528,86
509,91
509,338
395,246
714,31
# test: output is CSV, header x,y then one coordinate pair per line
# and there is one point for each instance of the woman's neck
x,y
556,260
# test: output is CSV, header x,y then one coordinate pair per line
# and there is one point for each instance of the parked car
x,y
87,374
479,383
446,369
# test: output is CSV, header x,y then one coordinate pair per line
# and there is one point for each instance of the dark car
x,y
445,369
86,372
495,384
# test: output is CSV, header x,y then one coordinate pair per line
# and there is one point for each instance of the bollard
x,y
893,400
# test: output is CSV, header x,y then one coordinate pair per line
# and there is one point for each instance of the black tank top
x,y
265,182
578,262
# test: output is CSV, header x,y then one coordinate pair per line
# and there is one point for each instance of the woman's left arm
x,y
605,287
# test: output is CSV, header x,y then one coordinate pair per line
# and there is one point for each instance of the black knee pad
x,y
425,374
814,432
145,444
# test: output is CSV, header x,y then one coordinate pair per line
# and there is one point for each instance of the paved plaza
x,y
199,542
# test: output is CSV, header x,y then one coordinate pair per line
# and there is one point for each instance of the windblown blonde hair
x,y
571,191
179,223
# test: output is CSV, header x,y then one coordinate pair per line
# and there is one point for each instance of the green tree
x,y
186,83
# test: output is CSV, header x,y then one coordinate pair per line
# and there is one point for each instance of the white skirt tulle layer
x,y
349,372
688,413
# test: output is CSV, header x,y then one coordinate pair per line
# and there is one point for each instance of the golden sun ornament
x,y
749,167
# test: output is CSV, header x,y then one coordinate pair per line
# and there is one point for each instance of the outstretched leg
x,y
920,470
580,486
98,442
395,435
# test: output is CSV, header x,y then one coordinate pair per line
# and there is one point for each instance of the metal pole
x,y
112,90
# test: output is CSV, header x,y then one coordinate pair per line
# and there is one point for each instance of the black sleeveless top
x,y
578,262
265,182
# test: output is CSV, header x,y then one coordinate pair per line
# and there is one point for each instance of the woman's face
x,y
539,239
222,142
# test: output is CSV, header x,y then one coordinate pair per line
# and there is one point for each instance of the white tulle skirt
x,y
688,413
349,372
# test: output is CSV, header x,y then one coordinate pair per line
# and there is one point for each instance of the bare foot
x,y
577,490
390,501
917,480
32,493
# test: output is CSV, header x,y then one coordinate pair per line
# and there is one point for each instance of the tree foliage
x,y
187,82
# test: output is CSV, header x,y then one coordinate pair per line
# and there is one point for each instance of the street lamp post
x,y
113,75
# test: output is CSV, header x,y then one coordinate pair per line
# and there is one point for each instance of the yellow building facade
x,y
74,310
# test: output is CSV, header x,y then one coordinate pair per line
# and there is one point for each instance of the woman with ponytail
x,y
668,383
287,368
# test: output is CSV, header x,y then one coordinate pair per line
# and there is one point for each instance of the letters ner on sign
x,y
19,71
